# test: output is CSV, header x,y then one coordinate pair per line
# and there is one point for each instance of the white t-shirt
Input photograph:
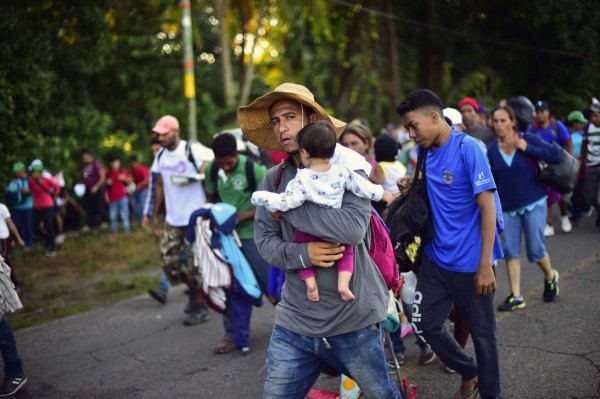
x,y
4,214
181,200
323,188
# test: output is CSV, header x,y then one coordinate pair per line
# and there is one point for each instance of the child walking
x,y
324,184
117,180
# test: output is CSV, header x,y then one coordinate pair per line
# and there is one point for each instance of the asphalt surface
x,y
140,349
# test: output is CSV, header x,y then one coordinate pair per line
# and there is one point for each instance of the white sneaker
x,y
565,224
548,230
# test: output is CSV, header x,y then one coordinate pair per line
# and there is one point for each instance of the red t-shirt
x,y
140,173
116,190
42,197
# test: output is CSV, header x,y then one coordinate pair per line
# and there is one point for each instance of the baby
x,y
323,184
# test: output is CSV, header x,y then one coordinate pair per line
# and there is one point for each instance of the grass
x,y
89,271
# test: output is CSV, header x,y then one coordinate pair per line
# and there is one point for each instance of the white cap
x,y
454,115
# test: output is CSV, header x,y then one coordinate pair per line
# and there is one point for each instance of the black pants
x,y
45,216
437,289
95,207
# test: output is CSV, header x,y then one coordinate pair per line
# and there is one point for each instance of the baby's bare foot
x,y
346,294
312,291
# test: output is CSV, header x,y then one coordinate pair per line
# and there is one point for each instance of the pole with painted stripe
x,y
189,85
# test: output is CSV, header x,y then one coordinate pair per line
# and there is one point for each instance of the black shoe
x,y
512,303
551,288
427,356
159,296
10,386
199,315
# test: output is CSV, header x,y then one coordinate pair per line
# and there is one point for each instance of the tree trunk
x,y
227,67
429,63
248,67
390,40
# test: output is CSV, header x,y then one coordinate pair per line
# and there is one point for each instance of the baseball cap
x,y
469,101
576,116
454,116
18,166
38,168
542,105
165,124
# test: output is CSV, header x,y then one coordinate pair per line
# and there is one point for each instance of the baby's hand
x,y
277,216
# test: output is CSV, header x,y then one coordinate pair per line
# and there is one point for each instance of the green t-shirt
x,y
232,190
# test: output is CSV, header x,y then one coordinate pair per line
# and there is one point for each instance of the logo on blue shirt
x,y
481,179
448,177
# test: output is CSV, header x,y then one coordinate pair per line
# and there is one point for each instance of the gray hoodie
x,y
349,224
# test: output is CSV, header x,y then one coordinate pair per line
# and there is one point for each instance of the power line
x,y
408,21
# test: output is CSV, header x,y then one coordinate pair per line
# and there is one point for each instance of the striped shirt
x,y
593,138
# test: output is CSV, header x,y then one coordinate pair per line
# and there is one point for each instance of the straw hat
x,y
255,121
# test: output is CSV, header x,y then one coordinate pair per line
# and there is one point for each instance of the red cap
x,y
469,101
165,124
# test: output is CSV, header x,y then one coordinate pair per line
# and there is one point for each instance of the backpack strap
x,y
214,177
190,156
250,177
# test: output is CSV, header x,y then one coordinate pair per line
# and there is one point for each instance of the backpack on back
x,y
13,192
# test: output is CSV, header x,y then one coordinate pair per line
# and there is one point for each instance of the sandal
x,y
226,347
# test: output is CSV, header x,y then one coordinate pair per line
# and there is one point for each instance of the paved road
x,y
139,349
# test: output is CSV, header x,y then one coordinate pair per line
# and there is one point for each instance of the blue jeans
x,y
437,289
13,367
295,362
116,208
532,224
23,219
139,200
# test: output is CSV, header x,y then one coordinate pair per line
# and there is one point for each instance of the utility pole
x,y
189,85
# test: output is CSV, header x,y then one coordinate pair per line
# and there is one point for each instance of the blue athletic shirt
x,y
456,172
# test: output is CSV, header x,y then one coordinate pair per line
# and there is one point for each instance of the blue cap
x,y
542,105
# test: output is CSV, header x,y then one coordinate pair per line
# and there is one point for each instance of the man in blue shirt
x,y
457,264
551,129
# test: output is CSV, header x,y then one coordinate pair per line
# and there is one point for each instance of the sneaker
x,y
10,386
551,288
50,253
548,230
588,213
405,329
565,224
427,356
512,303
449,370
199,316
158,296
245,349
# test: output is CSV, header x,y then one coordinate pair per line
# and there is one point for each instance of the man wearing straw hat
x,y
308,336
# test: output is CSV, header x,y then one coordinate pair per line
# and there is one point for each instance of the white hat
x,y
454,115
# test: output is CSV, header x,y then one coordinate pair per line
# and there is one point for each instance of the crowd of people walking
x,y
303,202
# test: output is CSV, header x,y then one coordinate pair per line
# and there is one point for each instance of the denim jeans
x,y
23,219
532,224
295,362
164,285
437,289
119,208
13,367
139,200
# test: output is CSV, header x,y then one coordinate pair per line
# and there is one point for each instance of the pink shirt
x,y
42,197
